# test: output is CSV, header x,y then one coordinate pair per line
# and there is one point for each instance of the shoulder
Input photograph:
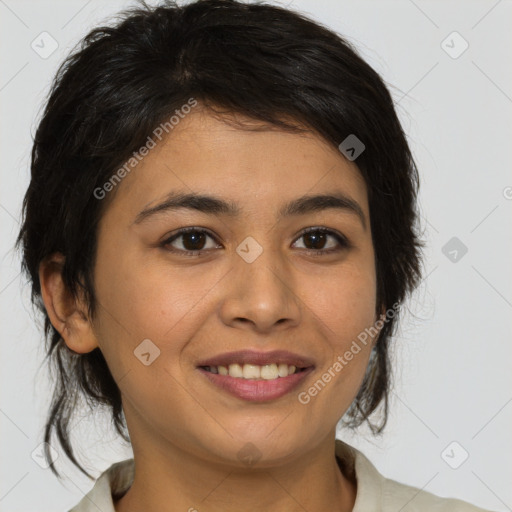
x,y
375,492
109,486
413,499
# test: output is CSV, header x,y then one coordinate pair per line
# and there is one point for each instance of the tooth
x,y
235,370
269,371
283,370
251,371
213,369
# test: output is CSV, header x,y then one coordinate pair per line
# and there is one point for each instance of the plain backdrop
x,y
452,395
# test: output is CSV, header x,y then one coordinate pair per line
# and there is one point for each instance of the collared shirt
x,y
375,493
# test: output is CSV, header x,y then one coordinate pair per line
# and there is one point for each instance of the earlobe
x,y
67,314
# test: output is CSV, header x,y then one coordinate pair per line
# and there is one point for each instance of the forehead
x,y
255,166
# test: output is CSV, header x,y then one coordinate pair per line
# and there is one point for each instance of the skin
x,y
186,433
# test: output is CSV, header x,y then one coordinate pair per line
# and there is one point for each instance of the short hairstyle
x,y
259,60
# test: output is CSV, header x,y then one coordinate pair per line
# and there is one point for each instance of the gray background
x,y
453,352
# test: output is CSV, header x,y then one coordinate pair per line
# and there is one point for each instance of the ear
x,y
67,314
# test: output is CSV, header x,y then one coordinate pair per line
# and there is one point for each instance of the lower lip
x,y
257,390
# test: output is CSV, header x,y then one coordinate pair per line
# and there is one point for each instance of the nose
x,y
261,295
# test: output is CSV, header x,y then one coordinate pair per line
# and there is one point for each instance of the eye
x,y
192,241
317,238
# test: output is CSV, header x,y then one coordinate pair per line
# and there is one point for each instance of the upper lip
x,y
258,358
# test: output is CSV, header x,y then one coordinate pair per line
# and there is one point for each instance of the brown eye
x,y
315,240
189,241
194,241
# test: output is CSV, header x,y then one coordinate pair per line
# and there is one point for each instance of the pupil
x,y
319,237
196,238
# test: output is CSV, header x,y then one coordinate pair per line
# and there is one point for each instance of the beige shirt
x,y
375,493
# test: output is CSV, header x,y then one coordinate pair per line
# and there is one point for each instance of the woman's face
x,y
256,282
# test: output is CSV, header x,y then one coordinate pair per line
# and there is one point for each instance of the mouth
x,y
257,376
255,372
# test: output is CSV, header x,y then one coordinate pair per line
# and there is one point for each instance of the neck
x,y
169,480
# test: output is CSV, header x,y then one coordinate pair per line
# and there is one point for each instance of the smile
x,y
253,371
256,376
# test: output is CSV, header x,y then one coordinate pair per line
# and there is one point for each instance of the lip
x,y
257,390
258,358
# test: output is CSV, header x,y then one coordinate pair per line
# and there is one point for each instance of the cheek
x,y
149,302
345,302
145,300
145,321
345,310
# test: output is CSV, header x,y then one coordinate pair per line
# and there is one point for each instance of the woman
x,y
221,226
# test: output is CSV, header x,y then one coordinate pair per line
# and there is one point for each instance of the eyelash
x,y
341,239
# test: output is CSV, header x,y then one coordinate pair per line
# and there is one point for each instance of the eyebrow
x,y
216,206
